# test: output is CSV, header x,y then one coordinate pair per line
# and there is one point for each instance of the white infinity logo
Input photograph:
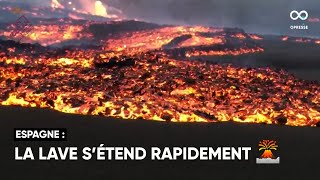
x,y
295,15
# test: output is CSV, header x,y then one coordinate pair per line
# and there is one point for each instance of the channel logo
x,y
267,157
296,15
302,15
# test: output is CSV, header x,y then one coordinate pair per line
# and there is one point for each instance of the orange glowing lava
x,y
136,76
155,39
157,88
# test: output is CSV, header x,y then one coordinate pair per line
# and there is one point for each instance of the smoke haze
x,y
257,16
261,16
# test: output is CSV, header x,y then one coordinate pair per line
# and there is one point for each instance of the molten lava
x,y
56,4
100,10
155,87
197,41
135,75
156,39
48,34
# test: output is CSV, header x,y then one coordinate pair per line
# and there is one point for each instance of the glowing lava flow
x,y
154,87
156,39
134,75
209,41
49,34
223,53
100,10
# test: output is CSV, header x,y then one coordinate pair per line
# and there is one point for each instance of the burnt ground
x,y
298,148
300,59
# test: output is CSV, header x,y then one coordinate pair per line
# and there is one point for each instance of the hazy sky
x,y
267,16
261,16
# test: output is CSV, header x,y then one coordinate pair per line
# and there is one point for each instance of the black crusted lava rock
x,y
282,120
166,117
206,115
